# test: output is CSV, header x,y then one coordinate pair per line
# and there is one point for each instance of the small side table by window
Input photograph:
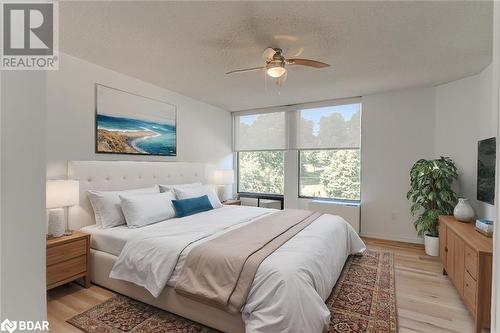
x,y
263,196
232,202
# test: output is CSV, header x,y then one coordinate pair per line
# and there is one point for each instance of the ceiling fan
x,y
276,62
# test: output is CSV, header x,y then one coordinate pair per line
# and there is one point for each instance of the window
x,y
333,173
261,172
328,140
258,132
260,141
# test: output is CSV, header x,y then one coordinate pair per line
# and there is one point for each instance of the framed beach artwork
x,y
127,123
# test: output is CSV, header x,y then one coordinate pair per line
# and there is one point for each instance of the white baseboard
x,y
416,240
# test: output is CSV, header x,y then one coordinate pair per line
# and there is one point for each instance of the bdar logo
x,y
8,325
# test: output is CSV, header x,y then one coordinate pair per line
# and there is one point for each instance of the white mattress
x,y
111,240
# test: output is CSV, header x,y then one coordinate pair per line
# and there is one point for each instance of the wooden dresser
x,y
467,256
68,259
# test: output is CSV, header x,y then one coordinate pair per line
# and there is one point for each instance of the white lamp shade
x,y
62,193
223,177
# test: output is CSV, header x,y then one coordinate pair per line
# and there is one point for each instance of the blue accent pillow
x,y
186,207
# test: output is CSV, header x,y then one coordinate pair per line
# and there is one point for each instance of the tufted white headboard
x,y
122,175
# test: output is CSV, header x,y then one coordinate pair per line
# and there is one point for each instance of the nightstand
x,y
68,259
232,202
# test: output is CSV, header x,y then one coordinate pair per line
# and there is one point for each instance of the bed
x,y
290,286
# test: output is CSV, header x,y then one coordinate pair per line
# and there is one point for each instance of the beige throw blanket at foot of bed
x,y
220,271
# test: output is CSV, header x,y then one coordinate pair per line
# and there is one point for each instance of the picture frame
x,y
127,123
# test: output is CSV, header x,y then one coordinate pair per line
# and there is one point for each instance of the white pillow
x,y
194,192
141,210
107,205
165,188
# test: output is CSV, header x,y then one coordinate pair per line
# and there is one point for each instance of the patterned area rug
x,y
363,300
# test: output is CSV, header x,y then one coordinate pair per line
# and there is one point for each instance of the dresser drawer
x,y
66,251
470,289
66,269
471,262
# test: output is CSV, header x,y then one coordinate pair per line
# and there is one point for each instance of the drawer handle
x,y
466,284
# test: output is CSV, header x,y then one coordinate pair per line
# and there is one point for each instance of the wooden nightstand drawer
x,y
66,269
66,251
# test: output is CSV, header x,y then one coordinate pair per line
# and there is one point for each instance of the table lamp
x,y
223,178
59,195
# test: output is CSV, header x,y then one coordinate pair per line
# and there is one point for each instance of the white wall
x,y
203,131
401,127
22,198
397,130
465,115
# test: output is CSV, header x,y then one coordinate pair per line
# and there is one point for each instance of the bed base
x,y
169,300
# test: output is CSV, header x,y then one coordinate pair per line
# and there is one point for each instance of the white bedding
x,y
290,286
111,240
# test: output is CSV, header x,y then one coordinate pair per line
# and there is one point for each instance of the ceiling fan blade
x,y
307,62
246,70
299,52
268,54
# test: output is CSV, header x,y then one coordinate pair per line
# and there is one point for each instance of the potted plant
x,y
431,195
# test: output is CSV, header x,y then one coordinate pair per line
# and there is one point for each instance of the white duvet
x,y
291,285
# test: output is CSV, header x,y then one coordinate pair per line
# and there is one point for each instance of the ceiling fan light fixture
x,y
275,68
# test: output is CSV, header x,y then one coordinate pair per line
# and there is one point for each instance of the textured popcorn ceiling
x,y
372,46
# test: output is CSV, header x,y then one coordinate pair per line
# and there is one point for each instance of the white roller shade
x,y
330,127
266,131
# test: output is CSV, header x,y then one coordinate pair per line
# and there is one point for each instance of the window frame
x,y
347,201
238,172
291,146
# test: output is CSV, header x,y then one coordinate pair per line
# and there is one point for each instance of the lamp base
x,y
224,192
56,222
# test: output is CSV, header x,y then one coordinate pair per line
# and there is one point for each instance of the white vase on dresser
x,y
463,210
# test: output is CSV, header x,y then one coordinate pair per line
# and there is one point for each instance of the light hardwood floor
x,y
426,300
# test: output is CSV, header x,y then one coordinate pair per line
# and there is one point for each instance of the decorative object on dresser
x,y
232,202
222,179
68,259
463,211
59,194
431,195
127,123
467,256
486,227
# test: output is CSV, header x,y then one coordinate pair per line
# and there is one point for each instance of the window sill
x,y
353,203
